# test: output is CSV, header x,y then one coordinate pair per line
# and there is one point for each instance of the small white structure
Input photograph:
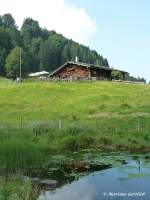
x,y
39,74
76,59
18,79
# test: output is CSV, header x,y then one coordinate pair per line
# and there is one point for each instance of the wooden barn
x,y
82,71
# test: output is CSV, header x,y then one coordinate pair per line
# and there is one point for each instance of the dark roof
x,y
85,65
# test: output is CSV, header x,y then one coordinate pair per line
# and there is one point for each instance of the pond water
x,y
128,178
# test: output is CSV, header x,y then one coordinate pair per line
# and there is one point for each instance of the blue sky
x,y
123,34
117,29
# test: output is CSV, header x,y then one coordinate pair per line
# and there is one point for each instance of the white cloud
x,y
56,15
81,189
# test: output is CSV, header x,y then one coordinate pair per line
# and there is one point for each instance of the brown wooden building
x,y
77,71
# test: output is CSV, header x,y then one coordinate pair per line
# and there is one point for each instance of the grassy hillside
x,y
39,119
43,101
77,115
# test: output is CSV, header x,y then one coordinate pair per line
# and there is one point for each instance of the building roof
x,y
85,65
36,74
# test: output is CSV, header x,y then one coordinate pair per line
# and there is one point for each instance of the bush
x,y
79,142
105,141
115,74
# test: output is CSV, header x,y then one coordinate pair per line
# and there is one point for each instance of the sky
x,y
117,29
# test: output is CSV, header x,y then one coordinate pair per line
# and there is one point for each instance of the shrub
x,y
76,143
115,74
105,141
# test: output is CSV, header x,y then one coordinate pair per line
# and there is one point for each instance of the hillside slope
x,y
46,101
73,116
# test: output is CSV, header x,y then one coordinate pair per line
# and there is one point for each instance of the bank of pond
x,y
41,161
87,174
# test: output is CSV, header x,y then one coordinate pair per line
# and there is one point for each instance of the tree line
x,y
40,49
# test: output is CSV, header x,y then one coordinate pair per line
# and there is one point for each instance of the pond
x,y
127,178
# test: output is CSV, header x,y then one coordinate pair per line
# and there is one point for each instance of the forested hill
x,y
41,49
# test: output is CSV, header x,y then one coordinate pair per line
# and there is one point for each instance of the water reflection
x,y
129,181
77,190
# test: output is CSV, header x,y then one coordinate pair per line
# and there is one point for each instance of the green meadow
x,y
46,101
39,119
42,119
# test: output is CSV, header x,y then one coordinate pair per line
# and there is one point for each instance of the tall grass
x,y
26,148
19,152
13,189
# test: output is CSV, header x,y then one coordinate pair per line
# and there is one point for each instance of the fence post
x,y
21,121
60,124
116,129
138,124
